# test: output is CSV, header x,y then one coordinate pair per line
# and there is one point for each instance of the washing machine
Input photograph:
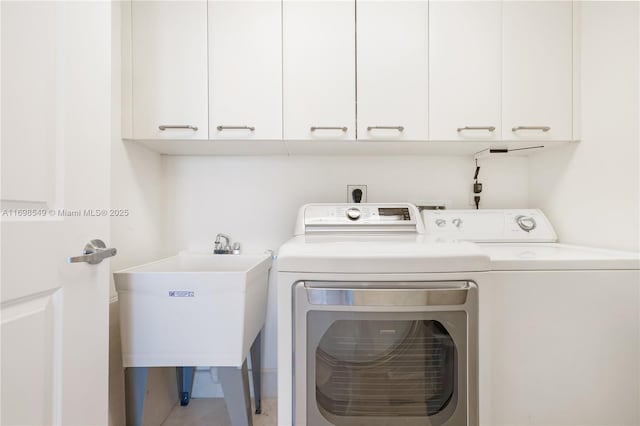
x,y
377,324
561,323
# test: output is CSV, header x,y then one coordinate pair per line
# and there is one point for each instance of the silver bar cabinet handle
x,y
164,127
221,128
488,128
398,128
543,128
314,128
95,251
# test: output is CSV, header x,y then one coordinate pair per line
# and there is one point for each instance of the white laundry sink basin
x,y
192,309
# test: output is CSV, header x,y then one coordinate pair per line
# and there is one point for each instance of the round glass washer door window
x,y
385,368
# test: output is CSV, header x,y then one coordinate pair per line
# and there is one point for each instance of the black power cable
x,y
477,186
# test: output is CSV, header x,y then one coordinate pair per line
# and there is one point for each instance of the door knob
x,y
94,252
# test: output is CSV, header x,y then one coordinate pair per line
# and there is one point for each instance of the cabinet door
x,y
319,69
537,70
464,79
169,50
393,57
245,69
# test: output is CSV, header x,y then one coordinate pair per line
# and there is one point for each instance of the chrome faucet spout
x,y
222,247
227,239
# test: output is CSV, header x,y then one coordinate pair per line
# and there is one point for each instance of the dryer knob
x,y
526,223
441,222
353,214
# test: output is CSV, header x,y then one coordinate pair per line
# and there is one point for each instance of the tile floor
x,y
213,412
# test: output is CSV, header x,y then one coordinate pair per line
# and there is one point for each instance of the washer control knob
x,y
457,222
353,213
441,222
526,223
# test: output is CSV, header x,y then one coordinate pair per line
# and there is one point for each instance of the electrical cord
x,y
477,187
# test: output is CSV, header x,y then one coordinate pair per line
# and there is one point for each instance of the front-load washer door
x,y
384,368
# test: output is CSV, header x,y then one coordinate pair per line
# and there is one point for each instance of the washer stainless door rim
x,y
354,339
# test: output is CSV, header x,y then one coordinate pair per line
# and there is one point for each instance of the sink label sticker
x,y
182,293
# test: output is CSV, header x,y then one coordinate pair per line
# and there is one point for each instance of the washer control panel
x,y
513,225
359,217
353,213
526,223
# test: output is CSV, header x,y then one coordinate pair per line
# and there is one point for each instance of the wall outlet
x,y
351,195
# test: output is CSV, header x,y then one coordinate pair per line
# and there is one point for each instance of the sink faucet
x,y
221,248
225,248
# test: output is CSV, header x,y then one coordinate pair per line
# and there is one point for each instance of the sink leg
x,y
256,369
235,386
135,379
185,383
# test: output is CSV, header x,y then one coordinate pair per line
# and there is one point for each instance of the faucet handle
x,y
221,248
236,248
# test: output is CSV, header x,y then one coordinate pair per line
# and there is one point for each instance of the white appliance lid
x,y
379,254
550,256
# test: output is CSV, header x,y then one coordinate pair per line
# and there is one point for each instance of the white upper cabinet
x,y
245,69
332,70
169,56
393,58
537,70
319,69
465,70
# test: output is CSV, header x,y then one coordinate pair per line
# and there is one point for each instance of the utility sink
x,y
192,309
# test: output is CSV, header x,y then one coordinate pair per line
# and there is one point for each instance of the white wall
x,y
591,191
136,185
207,195
255,200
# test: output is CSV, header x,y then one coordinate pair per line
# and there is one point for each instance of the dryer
x,y
377,324
561,323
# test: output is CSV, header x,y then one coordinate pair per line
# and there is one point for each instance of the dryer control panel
x,y
339,218
512,225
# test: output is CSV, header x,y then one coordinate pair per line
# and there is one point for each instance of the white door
x,y
169,52
393,74
319,54
245,69
465,70
537,70
55,159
